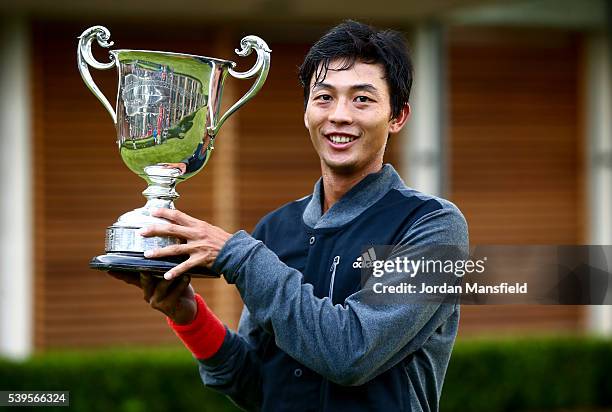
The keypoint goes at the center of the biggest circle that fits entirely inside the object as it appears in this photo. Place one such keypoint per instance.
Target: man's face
(348, 116)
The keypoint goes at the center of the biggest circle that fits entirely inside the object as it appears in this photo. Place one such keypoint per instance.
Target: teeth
(341, 139)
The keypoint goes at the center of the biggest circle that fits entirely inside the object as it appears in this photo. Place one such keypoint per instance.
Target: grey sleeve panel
(235, 370)
(351, 343)
(442, 226)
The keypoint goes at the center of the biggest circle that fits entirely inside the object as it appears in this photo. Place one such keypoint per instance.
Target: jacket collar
(361, 196)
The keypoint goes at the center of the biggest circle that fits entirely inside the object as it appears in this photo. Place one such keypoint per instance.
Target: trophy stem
(123, 236)
(161, 191)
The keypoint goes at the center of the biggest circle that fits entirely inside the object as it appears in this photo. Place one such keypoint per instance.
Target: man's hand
(174, 298)
(203, 240)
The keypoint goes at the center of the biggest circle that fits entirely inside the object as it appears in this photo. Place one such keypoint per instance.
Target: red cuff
(204, 335)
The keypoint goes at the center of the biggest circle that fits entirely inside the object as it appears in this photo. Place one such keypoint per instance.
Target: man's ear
(399, 121)
(306, 120)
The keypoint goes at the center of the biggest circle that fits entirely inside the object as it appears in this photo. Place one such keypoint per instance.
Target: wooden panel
(516, 158)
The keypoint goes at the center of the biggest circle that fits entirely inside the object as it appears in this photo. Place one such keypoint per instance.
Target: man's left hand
(203, 240)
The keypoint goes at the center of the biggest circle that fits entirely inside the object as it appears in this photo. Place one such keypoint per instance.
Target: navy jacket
(311, 338)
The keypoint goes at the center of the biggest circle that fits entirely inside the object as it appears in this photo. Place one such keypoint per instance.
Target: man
(310, 336)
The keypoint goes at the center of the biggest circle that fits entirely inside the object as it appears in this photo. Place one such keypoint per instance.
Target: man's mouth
(339, 139)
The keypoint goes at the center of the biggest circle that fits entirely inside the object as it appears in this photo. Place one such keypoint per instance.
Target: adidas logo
(365, 260)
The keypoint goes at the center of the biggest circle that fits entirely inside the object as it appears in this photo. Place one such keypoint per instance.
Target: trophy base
(136, 262)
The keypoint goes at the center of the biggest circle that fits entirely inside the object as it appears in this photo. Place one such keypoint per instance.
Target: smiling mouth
(340, 139)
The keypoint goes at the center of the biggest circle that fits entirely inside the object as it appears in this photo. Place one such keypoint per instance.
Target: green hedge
(529, 375)
(520, 375)
(150, 380)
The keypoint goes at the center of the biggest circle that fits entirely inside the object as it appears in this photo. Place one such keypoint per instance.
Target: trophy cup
(167, 117)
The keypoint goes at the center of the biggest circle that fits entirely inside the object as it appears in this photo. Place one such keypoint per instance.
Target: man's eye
(363, 99)
(324, 97)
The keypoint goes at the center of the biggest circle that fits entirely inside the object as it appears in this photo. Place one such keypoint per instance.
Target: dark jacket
(311, 337)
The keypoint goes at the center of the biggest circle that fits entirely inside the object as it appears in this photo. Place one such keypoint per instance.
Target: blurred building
(511, 121)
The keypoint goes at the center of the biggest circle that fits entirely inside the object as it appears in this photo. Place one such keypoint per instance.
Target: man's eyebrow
(362, 86)
(366, 87)
(322, 85)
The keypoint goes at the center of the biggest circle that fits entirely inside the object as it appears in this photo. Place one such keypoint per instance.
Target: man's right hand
(175, 298)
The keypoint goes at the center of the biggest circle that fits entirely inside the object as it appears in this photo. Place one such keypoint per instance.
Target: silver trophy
(167, 117)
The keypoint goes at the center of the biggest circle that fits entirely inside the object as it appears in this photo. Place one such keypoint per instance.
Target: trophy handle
(86, 59)
(262, 65)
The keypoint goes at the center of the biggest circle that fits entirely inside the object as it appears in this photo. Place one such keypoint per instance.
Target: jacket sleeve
(350, 343)
(235, 370)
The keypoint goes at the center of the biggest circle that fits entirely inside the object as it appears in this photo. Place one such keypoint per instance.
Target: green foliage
(494, 376)
(529, 375)
(117, 380)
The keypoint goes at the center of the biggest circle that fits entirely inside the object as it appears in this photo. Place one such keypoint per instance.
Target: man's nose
(341, 112)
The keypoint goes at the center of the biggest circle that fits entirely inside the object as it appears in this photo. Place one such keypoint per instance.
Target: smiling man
(310, 336)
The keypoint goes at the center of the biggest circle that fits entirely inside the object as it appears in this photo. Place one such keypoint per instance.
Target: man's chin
(342, 167)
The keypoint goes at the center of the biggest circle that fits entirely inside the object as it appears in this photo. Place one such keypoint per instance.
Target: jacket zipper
(325, 383)
(333, 276)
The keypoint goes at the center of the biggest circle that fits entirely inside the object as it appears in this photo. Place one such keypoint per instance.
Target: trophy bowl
(167, 116)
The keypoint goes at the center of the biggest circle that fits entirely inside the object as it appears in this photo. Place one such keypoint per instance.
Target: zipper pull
(333, 276)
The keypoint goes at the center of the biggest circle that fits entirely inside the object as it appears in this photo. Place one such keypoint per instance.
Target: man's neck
(336, 185)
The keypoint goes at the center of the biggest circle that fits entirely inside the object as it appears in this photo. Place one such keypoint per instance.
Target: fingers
(174, 298)
(167, 229)
(182, 225)
(179, 289)
(173, 250)
(175, 216)
(180, 269)
(167, 294)
(148, 284)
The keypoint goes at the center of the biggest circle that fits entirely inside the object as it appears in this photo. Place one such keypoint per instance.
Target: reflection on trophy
(167, 118)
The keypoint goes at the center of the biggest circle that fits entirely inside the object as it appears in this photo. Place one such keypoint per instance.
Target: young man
(310, 336)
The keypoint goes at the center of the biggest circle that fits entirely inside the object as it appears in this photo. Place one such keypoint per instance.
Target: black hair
(351, 42)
